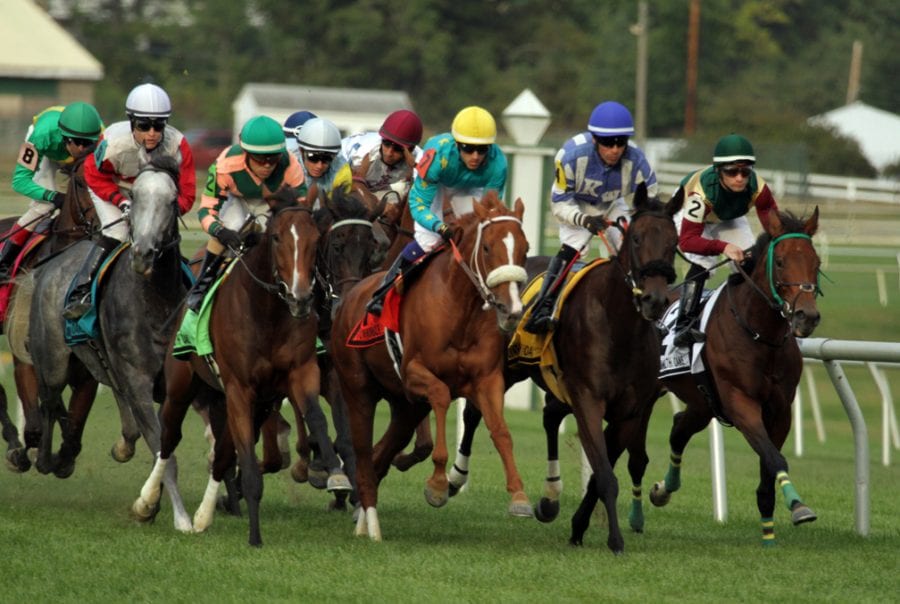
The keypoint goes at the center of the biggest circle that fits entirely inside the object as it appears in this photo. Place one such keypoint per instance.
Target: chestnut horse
(452, 346)
(74, 222)
(264, 338)
(754, 362)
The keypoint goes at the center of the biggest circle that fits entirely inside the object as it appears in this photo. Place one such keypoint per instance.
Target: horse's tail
(16, 326)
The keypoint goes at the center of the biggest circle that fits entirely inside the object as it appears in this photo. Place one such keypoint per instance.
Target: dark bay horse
(452, 346)
(142, 288)
(74, 222)
(263, 328)
(754, 361)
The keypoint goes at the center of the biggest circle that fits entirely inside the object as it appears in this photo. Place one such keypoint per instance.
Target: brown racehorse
(259, 358)
(74, 222)
(754, 361)
(452, 346)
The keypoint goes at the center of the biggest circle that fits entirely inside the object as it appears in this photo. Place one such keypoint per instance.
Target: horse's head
(292, 237)
(494, 247)
(790, 272)
(77, 215)
(648, 252)
(153, 217)
(348, 243)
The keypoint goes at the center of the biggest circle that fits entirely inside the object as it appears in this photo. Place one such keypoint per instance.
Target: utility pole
(855, 69)
(640, 84)
(690, 101)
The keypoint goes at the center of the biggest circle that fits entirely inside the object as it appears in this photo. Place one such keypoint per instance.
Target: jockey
(455, 166)
(390, 166)
(56, 138)
(319, 143)
(126, 148)
(713, 221)
(237, 185)
(596, 172)
(291, 128)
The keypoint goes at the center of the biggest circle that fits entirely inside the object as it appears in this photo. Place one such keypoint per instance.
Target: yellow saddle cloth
(530, 349)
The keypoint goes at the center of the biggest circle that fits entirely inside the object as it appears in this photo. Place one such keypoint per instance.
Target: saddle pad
(370, 329)
(6, 288)
(677, 360)
(86, 327)
(193, 333)
(526, 348)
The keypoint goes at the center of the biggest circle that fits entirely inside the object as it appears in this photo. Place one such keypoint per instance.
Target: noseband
(502, 274)
(637, 272)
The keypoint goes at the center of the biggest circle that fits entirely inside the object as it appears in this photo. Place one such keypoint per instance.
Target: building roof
(295, 97)
(34, 46)
(877, 131)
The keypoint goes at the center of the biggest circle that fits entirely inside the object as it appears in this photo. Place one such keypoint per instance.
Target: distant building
(351, 109)
(41, 65)
(877, 131)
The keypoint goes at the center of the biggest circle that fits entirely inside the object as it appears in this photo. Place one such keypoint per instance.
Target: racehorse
(74, 222)
(610, 375)
(258, 358)
(141, 289)
(452, 346)
(754, 362)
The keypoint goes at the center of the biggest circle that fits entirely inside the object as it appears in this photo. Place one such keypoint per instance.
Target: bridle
(327, 255)
(505, 273)
(637, 272)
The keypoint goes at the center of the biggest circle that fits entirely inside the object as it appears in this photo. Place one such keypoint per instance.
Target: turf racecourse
(73, 540)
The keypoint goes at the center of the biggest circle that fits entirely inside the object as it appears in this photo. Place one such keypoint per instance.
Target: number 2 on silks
(28, 156)
(695, 209)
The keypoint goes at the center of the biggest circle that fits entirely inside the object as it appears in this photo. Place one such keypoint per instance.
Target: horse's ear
(775, 227)
(313, 192)
(639, 200)
(674, 205)
(378, 210)
(363, 167)
(519, 208)
(284, 197)
(812, 225)
(480, 209)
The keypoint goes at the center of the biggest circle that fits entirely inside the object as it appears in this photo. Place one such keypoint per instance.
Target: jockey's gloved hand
(228, 238)
(125, 206)
(58, 200)
(446, 232)
(595, 224)
(251, 238)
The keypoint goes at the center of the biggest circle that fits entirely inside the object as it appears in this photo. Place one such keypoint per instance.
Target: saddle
(529, 349)
(86, 327)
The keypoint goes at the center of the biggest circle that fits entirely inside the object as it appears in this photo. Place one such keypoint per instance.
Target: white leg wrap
(203, 517)
(459, 472)
(374, 527)
(150, 492)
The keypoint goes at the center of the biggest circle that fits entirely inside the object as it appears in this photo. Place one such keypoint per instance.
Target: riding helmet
(402, 127)
(475, 126)
(148, 100)
(295, 120)
(319, 134)
(262, 135)
(80, 120)
(733, 148)
(611, 119)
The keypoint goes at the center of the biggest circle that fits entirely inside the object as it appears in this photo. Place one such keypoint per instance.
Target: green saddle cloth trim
(193, 334)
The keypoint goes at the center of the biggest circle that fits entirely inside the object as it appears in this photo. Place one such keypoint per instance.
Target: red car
(206, 144)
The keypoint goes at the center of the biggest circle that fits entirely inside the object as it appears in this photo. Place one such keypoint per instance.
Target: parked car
(206, 144)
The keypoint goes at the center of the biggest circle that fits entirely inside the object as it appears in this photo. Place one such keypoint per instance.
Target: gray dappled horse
(140, 292)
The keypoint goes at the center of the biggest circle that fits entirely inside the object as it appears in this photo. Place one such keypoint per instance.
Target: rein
(323, 276)
(636, 271)
(501, 274)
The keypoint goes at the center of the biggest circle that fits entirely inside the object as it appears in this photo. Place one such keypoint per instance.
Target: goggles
(735, 170)
(611, 141)
(267, 160)
(394, 146)
(144, 124)
(320, 158)
(468, 148)
(78, 142)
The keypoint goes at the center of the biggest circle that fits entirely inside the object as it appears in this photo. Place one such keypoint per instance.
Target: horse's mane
(341, 205)
(791, 224)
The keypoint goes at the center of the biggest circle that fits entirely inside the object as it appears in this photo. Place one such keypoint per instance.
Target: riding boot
(209, 272)
(79, 301)
(8, 254)
(541, 319)
(397, 270)
(691, 292)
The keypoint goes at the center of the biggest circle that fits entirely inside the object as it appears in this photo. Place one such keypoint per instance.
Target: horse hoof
(546, 510)
(142, 512)
(520, 507)
(336, 505)
(228, 506)
(122, 451)
(337, 482)
(318, 479)
(17, 461)
(300, 471)
(436, 498)
(285, 460)
(575, 542)
(404, 461)
(802, 514)
(64, 471)
(659, 496)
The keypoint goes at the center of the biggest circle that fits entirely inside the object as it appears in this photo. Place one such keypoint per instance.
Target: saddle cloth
(34, 240)
(86, 327)
(677, 360)
(530, 349)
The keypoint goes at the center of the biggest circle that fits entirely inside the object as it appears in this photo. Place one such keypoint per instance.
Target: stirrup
(375, 307)
(689, 336)
(76, 309)
(540, 323)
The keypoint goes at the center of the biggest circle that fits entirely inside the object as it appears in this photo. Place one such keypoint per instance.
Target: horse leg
(684, 425)
(123, 449)
(27, 390)
(555, 412)
(52, 410)
(272, 460)
(14, 447)
(84, 391)
(222, 469)
(422, 448)
(342, 442)
(489, 398)
(603, 484)
(361, 419)
(239, 404)
(304, 384)
(631, 434)
(459, 472)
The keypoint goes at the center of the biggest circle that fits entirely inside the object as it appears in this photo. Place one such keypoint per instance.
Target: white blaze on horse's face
(515, 296)
(295, 281)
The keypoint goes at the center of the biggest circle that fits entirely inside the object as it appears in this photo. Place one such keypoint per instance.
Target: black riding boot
(209, 271)
(691, 292)
(79, 301)
(398, 269)
(8, 254)
(541, 319)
